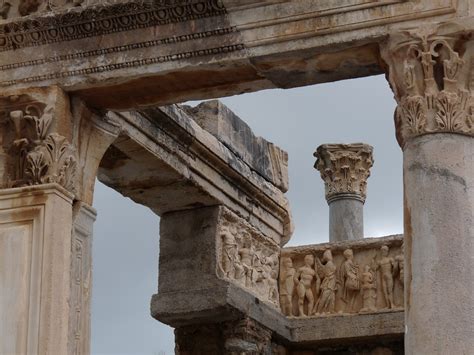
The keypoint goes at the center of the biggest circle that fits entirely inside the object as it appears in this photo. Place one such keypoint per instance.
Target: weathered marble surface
(270, 161)
(165, 153)
(159, 52)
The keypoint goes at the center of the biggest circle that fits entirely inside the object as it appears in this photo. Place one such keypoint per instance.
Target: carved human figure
(246, 257)
(229, 253)
(399, 267)
(349, 276)
(273, 287)
(304, 279)
(369, 290)
(327, 271)
(385, 265)
(287, 288)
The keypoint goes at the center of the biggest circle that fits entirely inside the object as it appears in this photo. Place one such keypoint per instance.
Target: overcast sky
(126, 235)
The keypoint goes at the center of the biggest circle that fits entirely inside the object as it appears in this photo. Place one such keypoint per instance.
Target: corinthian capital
(431, 73)
(344, 169)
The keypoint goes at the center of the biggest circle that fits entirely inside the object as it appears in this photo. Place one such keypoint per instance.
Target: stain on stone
(442, 172)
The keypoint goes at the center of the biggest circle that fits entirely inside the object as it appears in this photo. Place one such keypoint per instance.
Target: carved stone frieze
(362, 276)
(430, 72)
(104, 18)
(248, 258)
(344, 168)
(37, 154)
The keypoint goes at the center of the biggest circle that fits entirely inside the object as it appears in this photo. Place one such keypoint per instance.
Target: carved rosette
(430, 71)
(344, 169)
(37, 154)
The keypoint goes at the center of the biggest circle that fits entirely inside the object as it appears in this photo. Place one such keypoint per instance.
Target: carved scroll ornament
(344, 168)
(430, 74)
(38, 155)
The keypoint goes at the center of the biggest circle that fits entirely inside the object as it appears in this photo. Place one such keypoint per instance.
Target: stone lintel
(141, 53)
(164, 152)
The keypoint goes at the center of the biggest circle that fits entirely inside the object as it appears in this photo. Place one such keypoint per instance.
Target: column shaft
(439, 244)
(346, 219)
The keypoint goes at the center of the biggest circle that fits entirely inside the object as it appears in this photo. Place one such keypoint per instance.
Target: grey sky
(298, 120)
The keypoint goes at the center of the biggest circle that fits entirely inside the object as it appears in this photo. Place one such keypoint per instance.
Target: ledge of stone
(227, 301)
(264, 157)
(347, 328)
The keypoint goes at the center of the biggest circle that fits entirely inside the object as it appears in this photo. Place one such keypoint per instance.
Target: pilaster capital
(47, 137)
(430, 70)
(344, 169)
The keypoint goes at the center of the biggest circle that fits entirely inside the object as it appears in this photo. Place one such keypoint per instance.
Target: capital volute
(344, 169)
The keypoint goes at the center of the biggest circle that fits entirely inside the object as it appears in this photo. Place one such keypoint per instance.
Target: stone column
(431, 73)
(50, 149)
(345, 169)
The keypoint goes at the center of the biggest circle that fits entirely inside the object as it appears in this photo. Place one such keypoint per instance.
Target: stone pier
(345, 169)
(431, 73)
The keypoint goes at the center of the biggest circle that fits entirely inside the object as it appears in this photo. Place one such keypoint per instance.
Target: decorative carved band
(128, 64)
(122, 48)
(38, 155)
(344, 168)
(101, 20)
(353, 277)
(430, 74)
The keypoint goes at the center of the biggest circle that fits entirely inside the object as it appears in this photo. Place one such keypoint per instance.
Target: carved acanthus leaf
(344, 168)
(431, 78)
(52, 161)
(38, 155)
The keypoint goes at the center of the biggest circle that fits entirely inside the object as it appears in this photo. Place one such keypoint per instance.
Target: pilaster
(50, 149)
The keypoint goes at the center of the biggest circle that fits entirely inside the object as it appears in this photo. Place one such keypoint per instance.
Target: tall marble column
(431, 73)
(50, 149)
(345, 169)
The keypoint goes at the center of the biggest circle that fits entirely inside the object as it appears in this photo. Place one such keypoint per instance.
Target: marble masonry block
(363, 276)
(267, 159)
(218, 260)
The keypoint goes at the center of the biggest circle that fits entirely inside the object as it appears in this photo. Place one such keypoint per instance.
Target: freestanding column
(345, 169)
(431, 73)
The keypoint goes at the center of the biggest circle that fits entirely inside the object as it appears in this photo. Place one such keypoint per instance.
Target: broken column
(345, 169)
(431, 73)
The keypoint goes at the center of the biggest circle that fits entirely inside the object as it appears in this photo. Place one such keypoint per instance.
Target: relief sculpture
(249, 259)
(362, 276)
(327, 271)
(385, 265)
